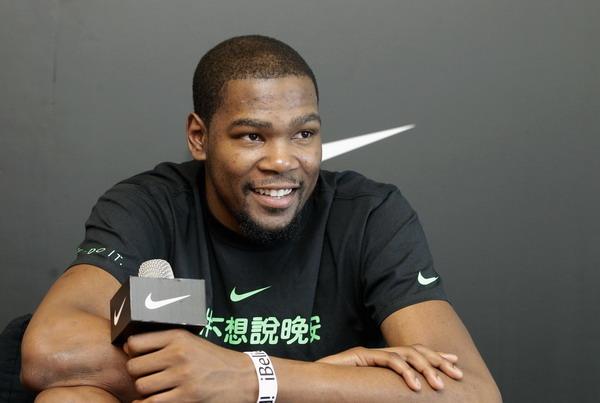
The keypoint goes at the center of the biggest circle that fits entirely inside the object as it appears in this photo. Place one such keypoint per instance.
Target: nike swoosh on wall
(339, 147)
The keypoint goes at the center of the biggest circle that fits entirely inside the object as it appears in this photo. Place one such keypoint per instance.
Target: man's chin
(266, 233)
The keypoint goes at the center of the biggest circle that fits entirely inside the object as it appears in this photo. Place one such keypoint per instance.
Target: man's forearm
(300, 381)
(180, 366)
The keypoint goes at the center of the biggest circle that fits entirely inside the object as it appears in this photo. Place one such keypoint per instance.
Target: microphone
(156, 268)
(155, 300)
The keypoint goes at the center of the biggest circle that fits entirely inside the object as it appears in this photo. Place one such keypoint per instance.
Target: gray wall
(502, 167)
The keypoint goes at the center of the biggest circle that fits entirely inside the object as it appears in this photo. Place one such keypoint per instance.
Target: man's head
(243, 57)
(258, 131)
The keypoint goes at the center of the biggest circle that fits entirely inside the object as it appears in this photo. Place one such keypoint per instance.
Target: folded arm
(67, 349)
(463, 374)
(436, 325)
(175, 365)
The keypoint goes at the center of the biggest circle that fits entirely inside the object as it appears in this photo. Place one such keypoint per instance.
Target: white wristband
(267, 381)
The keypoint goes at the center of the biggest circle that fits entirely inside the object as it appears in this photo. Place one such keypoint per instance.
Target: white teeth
(274, 192)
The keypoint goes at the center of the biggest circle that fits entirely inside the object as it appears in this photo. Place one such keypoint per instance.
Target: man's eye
(304, 134)
(252, 137)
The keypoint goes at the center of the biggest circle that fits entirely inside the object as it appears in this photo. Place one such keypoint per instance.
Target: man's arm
(436, 325)
(75, 394)
(66, 350)
(67, 342)
(433, 324)
(175, 364)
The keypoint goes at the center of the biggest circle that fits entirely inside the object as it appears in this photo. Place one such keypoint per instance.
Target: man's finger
(424, 365)
(423, 360)
(152, 341)
(439, 360)
(155, 383)
(146, 364)
(453, 358)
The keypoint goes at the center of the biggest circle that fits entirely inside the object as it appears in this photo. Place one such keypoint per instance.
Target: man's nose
(279, 157)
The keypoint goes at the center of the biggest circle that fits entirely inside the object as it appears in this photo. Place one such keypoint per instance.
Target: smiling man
(262, 155)
(318, 271)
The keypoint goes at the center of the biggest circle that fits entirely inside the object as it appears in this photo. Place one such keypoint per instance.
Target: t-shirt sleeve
(125, 228)
(397, 267)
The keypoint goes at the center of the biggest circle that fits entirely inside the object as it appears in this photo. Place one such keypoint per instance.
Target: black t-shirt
(361, 256)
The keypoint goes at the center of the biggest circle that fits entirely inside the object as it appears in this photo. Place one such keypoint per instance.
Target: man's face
(262, 152)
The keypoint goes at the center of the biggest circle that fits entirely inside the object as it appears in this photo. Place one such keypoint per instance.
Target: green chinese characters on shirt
(262, 330)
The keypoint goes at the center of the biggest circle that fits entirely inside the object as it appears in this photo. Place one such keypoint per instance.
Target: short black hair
(242, 57)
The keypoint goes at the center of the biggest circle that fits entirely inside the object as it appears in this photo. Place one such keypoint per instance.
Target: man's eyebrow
(259, 124)
(310, 117)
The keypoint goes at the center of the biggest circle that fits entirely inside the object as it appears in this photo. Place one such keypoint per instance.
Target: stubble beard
(262, 235)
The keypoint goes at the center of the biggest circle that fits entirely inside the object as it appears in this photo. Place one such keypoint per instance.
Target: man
(301, 263)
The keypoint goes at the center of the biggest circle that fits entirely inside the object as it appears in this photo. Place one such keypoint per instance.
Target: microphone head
(156, 268)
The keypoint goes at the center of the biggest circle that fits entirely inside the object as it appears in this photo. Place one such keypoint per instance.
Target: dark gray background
(502, 167)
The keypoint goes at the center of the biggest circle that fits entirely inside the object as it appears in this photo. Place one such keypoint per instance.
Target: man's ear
(197, 135)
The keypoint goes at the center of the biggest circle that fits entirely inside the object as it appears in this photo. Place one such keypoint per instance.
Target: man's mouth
(279, 193)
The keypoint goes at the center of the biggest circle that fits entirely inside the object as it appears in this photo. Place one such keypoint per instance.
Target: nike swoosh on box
(118, 315)
(150, 304)
(339, 147)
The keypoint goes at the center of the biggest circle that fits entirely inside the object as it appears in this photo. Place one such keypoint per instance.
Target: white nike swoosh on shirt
(339, 147)
(150, 304)
(118, 315)
(426, 280)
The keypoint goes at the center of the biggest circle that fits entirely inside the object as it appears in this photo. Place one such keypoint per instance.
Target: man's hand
(175, 365)
(405, 361)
